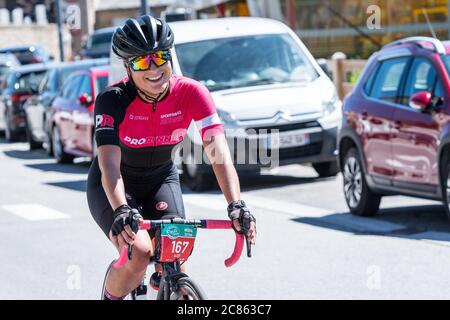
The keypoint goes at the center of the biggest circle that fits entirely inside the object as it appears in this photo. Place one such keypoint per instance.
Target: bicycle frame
(172, 270)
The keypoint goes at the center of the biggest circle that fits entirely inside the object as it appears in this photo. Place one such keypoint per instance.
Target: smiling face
(153, 81)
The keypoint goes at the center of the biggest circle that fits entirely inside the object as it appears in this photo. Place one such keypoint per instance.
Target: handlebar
(125, 253)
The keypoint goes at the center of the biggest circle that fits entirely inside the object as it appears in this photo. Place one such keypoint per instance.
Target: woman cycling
(138, 123)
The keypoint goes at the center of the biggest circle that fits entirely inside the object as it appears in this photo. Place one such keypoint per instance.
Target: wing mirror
(425, 102)
(84, 99)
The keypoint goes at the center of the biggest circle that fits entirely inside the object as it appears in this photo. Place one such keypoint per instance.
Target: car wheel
(10, 135)
(31, 141)
(326, 169)
(58, 149)
(196, 176)
(360, 199)
(48, 145)
(446, 189)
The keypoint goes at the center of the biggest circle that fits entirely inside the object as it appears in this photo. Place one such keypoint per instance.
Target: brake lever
(135, 227)
(246, 228)
(130, 252)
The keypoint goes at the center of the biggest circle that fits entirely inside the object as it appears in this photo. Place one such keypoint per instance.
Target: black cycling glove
(124, 216)
(237, 210)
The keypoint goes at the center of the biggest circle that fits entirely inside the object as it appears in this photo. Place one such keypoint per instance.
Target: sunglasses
(143, 63)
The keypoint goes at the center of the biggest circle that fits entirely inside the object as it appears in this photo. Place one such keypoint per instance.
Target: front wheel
(360, 199)
(10, 134)
(446, 189)
(187, 290)
(58, 148)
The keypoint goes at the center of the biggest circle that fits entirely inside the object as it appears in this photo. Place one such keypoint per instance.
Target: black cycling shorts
(156, 192)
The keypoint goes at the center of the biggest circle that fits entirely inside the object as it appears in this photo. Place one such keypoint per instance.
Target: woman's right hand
(125, 225)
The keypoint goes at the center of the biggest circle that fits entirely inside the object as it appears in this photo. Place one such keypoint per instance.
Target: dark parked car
(72, 120)
(98, 44)
(21, 83)
(395, 136)
(37, 107)
(29, 54)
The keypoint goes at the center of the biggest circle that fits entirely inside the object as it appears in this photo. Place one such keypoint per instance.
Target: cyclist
(138, 123)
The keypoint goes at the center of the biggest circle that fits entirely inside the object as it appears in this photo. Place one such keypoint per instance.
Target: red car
(72, 114)
(395, 133)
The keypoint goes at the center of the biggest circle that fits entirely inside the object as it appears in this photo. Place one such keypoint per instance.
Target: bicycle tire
(187, 288)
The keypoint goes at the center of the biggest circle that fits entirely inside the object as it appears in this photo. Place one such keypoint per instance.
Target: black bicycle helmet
(142, 36)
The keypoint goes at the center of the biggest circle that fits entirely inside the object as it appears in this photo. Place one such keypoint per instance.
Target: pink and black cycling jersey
(147, 132)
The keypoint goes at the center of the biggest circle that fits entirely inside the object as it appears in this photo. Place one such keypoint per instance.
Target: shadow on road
(420, 223)
(78, 185)
(27, 154)
(80, 167)
(250, 182)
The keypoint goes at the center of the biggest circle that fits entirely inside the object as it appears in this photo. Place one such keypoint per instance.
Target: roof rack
(437, 44)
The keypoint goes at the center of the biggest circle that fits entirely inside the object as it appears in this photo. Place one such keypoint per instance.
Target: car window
(422, 77)
(85, 86)
(388, 79)
(70, 88)
(439, 89)
(102, 39)
(100, 84)
(30, 80)
(10, 80)
(46, 82)
(369, 82)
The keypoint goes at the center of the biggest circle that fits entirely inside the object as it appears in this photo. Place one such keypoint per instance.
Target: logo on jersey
(161, 206)
(137, 118)
(104, 120)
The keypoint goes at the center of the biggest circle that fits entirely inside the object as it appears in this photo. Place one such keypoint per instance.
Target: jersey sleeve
(106, 119)
(204, 112)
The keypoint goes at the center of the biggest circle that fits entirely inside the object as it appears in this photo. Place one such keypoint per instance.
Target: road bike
(175, 240)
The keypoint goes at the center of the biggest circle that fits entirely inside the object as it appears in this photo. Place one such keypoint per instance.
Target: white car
(276, 103)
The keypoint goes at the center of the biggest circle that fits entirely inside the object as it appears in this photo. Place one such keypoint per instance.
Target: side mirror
(324, 66)
(421, 101)
(84, 99)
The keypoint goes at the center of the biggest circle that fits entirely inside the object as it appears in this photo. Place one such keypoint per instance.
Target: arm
(216, 147)
(219, 155)
(109, 161)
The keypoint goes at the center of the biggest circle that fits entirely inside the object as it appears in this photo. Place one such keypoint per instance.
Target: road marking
(35, 212)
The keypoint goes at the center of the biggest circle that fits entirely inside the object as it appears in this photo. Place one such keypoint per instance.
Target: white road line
(35, 212)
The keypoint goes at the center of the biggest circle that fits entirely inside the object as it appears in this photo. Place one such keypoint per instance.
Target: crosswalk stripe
(35, 212)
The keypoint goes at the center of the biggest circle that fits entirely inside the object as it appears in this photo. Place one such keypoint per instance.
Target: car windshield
(245, 61)
(29, 80)
(100, 40)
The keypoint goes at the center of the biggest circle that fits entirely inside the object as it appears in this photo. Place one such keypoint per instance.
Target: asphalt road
(308, 246)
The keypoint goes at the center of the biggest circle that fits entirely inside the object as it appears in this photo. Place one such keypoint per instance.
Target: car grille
(302, 151)
(284, 127)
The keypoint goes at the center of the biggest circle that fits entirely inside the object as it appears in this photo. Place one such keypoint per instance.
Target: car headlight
(226, 117)
(329, 106)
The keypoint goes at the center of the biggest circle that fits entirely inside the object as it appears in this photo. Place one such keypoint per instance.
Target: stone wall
(46, 36)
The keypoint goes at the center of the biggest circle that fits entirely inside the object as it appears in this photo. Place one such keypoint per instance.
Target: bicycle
(175, 245)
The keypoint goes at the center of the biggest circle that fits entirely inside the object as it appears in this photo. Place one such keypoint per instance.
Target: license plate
(177, 242)
(277, 141)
